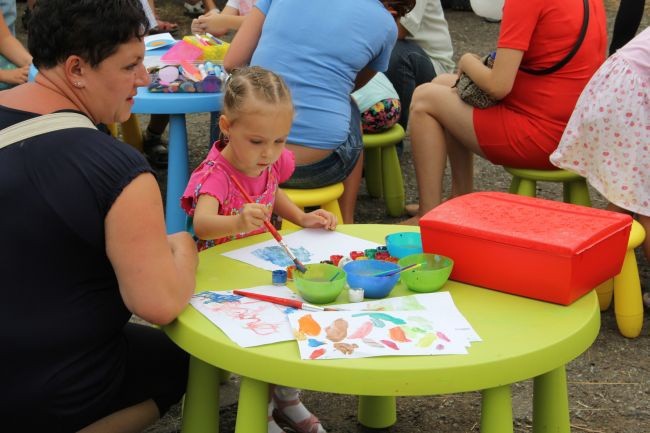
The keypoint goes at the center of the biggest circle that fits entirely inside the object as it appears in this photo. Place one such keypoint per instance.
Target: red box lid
(534, 223)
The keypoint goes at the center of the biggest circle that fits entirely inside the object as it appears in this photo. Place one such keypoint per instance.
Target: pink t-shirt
(212, 177)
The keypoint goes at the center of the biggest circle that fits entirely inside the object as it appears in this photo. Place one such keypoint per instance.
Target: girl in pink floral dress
(255, 122)
(607, 139)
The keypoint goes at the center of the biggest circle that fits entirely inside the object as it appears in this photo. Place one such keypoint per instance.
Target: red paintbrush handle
(272, 299)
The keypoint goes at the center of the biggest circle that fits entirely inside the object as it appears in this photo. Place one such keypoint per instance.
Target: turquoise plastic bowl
(360, 275)
(315, 286)
(429, 277)
(403, 244)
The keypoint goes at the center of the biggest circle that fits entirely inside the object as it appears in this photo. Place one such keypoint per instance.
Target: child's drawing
(278, 256)
(309, 246)
(439, 306)
(248, 322)
(351, 334)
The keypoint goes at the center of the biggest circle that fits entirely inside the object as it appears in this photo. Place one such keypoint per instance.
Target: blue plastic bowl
(360, 275)
(404, 244)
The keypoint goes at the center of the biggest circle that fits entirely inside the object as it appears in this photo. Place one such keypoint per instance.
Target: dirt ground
(609, 385)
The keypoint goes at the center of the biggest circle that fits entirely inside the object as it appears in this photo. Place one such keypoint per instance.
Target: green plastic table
(522, 339)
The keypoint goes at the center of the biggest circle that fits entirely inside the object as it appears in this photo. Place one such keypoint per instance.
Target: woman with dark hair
(83, 235)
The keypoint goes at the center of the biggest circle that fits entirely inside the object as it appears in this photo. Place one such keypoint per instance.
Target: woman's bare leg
(441, 124)
(348, 201)
(132, 419)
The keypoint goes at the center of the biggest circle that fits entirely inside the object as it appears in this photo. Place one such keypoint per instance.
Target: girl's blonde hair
(255, 81)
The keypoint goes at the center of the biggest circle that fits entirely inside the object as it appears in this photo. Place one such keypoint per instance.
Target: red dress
(525, 128)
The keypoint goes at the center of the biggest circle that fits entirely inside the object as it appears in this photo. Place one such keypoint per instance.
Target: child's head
(256, 118)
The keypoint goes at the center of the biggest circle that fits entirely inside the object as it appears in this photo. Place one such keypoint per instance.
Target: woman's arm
(245, 40)
(155, 272)
(498, 81)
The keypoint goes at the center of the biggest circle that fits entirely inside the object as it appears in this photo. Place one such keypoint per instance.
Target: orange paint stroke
(308, 326)
(397, 334)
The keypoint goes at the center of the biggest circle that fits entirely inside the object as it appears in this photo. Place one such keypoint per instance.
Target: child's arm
(316, 219)
(11, 48)
(218, 23)
(208, 224)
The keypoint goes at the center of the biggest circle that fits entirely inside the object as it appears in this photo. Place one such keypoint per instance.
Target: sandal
(310, 424)
(194, 10)
(163, 27)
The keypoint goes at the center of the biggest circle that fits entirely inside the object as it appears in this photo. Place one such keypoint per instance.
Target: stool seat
(382, 169)
(130, 131)
(524, 182)
(626, 289)
(325, 197)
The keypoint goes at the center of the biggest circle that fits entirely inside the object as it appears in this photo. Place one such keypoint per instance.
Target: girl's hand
(211, 23)
(252, 217)
(319, 218)
(15, 76)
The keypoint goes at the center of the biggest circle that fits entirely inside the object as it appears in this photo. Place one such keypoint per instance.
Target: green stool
(382, 170)
(524, 182)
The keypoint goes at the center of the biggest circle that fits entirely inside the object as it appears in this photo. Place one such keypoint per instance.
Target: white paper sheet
(362, 334)
(308, 245)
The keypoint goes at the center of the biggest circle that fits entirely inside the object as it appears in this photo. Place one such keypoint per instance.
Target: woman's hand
(320, 218)
(252, 217)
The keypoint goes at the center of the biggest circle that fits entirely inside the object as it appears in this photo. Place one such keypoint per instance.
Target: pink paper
(182, 51)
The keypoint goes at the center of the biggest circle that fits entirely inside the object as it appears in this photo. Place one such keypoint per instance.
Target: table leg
(377, 412)
(201, 405)
(253, 404)
(551, 403)
(178, 173)
(496, 410)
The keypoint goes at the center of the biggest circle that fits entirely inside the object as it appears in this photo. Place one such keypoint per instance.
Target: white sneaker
(195, 9)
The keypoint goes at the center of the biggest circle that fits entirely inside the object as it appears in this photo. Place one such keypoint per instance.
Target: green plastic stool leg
(201, 406)
(551, 403)
(514, 185)
(393, 182)
(252, 410)
(373, 174)
(496, 410)
(377, 412)
(224, 376)
(578, 192)
(527, 187)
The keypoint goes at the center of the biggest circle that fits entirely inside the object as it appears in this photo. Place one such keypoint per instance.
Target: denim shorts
(338, 165)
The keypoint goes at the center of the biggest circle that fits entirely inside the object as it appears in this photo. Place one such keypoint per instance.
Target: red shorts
(516, 140)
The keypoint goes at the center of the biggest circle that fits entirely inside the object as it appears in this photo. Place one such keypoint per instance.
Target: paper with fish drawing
(248, 322)
(308, 245)
(362, 334)
(439, 305)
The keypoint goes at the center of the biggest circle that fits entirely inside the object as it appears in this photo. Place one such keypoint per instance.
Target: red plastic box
(526, 246)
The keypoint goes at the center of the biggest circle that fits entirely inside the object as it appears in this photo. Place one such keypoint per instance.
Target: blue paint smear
(278, 257)
(219, 298)
(314, 343)
(380, 317)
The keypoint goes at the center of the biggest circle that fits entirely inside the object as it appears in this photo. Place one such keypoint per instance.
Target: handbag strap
(42, 125)
(574, 50)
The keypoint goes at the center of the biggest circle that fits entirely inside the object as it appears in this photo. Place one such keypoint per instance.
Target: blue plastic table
(522, 339)
(177, 105)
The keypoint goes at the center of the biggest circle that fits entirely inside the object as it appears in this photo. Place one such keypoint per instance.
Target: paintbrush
(293, 303)
(397, 271)
(270, 228)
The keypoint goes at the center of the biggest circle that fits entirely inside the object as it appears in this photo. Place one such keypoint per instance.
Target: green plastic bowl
(315, 286)
(429, 277)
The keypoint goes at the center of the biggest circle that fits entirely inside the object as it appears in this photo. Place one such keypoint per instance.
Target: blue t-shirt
(318, 47)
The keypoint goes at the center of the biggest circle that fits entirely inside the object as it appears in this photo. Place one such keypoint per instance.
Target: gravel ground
(609, 385)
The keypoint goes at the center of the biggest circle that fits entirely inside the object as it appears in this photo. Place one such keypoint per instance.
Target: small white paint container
(355, 294)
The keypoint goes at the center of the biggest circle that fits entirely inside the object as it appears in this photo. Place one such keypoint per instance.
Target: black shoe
(156, 151)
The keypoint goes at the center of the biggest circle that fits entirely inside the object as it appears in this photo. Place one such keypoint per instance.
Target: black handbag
(477, 97)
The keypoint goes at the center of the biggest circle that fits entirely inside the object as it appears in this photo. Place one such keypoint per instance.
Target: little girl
(255, 122)
(606, 140)
(219, 23)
